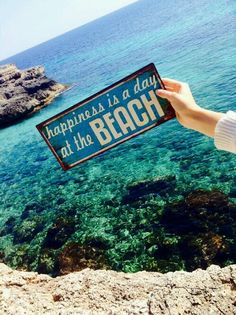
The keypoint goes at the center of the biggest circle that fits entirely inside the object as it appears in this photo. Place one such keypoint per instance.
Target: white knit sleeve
(225, 133)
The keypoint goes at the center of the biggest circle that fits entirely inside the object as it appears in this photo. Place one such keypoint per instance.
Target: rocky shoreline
(103, 292)
(24, 92)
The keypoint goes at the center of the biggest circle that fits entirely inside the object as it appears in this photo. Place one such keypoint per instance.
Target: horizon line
(71, 30)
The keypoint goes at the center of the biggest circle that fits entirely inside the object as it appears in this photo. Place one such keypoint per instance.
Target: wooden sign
(108, 118)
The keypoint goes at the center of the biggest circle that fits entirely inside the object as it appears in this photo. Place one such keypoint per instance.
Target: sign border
(66, 167)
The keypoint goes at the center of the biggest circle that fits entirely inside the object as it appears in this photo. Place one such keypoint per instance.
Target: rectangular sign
(108, 118)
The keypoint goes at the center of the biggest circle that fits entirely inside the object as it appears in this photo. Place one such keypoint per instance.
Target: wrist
(205, 121)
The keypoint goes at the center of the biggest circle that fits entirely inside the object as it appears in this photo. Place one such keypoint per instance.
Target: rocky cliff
(101, 292)
(23, 92)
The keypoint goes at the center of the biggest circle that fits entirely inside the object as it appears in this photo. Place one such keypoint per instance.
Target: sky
(27, 23)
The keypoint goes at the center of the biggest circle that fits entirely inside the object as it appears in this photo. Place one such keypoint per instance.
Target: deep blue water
(192, 41)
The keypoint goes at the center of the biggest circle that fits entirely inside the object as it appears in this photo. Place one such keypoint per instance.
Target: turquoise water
(115, 211)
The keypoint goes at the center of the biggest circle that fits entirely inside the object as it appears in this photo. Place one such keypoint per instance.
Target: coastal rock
(101, 292)
(23, 92)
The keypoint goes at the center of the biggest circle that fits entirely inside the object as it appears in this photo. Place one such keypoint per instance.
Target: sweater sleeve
(225, 133)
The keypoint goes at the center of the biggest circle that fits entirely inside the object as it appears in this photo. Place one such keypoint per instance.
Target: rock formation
(100, 292)
(23, 92)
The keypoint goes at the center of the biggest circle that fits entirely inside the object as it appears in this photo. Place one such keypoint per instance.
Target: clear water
(83, 211)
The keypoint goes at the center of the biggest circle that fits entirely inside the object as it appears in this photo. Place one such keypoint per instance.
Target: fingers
(172, 82)
(166, 94)
(175, 85)
(170, 88)
(171, 85)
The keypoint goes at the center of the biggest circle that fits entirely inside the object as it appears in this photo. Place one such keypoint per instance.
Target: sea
(163, 201)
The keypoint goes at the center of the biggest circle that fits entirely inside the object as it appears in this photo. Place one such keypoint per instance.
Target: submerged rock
(211, 291)
(59, 233)
(205, 223)
(76, 257)
(8, 227)
(30, 210)
(27, 229)
(23, 92)
(153, 234)
(156, 186)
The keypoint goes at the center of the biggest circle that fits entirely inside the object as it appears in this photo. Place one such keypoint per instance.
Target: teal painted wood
(108, 118)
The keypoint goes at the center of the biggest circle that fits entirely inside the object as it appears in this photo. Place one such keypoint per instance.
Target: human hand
(188, 113)
(180, 96)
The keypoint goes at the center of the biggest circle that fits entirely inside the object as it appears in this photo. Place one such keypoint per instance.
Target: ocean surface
(163, 201)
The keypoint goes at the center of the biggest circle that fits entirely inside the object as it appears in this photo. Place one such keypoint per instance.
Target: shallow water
(89, 209)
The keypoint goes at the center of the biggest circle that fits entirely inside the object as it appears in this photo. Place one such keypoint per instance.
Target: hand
(188, 113)
(181, 99)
